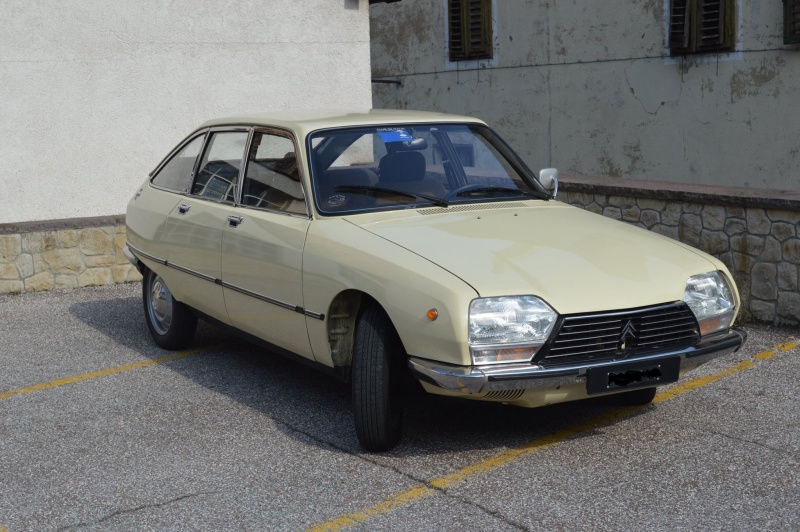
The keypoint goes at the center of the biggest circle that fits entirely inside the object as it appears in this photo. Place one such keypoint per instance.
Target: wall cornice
(664, 190)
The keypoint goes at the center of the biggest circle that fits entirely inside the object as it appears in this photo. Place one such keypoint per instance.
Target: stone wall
(63, 254)
(756, 233)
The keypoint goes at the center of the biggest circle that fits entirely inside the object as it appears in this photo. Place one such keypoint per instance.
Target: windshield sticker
(394, 135)
(336, 201)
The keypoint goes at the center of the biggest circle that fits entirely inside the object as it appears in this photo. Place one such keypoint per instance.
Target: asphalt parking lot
(102, 430)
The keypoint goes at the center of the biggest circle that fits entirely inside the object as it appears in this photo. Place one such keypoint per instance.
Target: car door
(262, 246)
(196, 224)
(148, 210)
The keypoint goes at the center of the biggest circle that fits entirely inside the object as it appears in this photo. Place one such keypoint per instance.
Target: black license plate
(631, 375)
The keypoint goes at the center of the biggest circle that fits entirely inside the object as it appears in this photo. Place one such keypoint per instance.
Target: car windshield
(411, 166)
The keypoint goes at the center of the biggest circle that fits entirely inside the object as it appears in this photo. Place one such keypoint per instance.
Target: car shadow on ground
(313, 407)
(122, 320)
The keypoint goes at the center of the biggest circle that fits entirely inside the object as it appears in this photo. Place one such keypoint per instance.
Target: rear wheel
(376, 379)
(642, 396)
(172, 324)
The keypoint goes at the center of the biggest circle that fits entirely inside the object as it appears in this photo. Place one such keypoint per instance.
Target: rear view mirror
(416, 144)
(548, 177)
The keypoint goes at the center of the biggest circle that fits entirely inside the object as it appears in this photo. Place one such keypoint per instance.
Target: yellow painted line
(103, 372)
(395, 502)
(418, 493)
(786, 347)
(727, 372)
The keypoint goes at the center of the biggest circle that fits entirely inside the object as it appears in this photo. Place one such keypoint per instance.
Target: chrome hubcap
(160, 305)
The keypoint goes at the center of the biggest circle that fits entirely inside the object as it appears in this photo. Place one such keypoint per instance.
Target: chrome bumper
(474, 379)
(131, 257)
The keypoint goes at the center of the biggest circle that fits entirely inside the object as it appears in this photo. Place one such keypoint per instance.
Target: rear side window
(218, 175)
(175, 175)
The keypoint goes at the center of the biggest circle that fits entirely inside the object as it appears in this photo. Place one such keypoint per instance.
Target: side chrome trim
(220, 282)
(276, 302)
(478, 379)
(141, 253)
(194, 273)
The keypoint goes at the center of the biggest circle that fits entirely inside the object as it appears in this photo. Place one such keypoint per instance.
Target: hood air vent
(471, 207)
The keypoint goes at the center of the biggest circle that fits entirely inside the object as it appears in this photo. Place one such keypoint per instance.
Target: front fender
(340, 256)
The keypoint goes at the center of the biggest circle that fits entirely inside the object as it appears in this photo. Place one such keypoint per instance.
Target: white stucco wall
(589, 87)
(93, 93)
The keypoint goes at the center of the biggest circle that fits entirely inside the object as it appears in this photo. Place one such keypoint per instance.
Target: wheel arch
(343, 314)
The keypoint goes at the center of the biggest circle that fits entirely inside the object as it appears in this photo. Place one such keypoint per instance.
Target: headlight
(711, 299)
(508, 329)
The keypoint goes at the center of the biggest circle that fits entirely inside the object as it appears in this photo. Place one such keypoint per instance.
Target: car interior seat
(406, 171)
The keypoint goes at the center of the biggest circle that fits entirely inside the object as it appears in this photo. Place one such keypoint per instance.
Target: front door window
(273, 180)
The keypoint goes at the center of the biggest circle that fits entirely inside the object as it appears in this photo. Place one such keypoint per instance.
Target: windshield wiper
(366, 189)
(480, 190)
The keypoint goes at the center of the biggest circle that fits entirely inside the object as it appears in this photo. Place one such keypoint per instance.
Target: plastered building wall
(590, 88)
(94, 93)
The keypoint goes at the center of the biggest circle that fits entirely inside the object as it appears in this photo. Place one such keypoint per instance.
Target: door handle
(235, 221)
(183, 208)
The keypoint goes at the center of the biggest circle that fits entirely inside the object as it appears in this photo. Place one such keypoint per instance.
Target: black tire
(376, 379)
(642, 396)
(172, 324)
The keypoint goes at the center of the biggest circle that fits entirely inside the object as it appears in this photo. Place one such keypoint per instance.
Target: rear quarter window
(177, 172)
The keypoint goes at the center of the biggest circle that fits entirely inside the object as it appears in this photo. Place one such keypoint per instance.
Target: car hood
(575, 260)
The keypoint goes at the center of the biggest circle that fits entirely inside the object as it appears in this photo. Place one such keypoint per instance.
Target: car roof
(306, 121)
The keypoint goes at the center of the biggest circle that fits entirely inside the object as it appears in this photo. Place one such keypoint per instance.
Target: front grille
(625, 334)
(504, 395)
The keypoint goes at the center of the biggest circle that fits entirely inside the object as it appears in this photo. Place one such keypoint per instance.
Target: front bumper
(475, 379)
(126, 250)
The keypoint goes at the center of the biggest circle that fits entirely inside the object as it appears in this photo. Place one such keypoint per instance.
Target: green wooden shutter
(714, 25)
(457, 48)
(701, 26)
(480, 29)
(791, 21)
(470, 29)
(680, 16)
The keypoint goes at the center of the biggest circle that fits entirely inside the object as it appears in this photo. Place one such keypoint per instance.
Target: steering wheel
(466, 188)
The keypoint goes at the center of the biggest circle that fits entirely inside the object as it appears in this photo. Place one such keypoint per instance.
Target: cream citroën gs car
(399, 248)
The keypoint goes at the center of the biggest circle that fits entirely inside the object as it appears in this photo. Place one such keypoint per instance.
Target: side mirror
(548, 177)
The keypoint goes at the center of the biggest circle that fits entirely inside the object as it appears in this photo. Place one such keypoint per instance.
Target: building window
(697, 26)
(470, 29)
(791, 21)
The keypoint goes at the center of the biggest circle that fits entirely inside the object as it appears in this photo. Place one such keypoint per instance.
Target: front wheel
(377, 368)
(172, 324)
